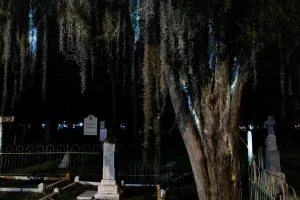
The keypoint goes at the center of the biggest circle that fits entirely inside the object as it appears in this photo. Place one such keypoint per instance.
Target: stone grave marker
(272, 154)
(108, 188)
(90, 125)
(65, 161)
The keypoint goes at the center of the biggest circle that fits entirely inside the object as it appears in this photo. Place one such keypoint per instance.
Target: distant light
(59, 126)
(250, 147)
(80, 124)
(122, 126)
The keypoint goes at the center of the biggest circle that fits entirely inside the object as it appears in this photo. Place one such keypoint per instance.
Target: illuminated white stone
(250, 147)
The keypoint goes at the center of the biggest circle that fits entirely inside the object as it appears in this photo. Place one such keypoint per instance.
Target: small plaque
(102, 124)
(90, 125)
(103, 134)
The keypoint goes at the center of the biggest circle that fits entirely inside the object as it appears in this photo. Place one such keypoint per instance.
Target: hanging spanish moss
(23, 55)
(74, 35)
(148, 92)
(147, 13)
(154, 101)
(254, 50)
(6, 61)
(112, 29)
(15, 73)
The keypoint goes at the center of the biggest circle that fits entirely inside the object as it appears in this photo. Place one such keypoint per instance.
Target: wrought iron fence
(146, 173)
(266, 185)
(51, 160)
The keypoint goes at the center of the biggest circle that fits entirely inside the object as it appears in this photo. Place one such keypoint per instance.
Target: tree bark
(212, 149)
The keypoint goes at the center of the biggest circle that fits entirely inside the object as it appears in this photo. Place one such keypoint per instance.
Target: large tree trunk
(212, 149)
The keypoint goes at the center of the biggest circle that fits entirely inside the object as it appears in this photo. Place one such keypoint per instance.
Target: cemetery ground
(178, 189)
(181, 185)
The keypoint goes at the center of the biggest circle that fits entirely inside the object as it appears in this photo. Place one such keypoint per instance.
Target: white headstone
(76, 179)
(102, 124)
(90, 125)
(108, 161)
(41, 187)
(65, 161)
(56, 190)
(103, 134)
(108, 188)
(272, 154)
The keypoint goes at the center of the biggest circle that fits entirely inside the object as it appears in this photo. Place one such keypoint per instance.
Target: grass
(20, 196)
(290, 163)
(73, 192)
(19, 183)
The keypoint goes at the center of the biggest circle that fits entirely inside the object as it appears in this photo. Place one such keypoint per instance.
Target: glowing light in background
(250, 147)
(32, 32)
(135, 18)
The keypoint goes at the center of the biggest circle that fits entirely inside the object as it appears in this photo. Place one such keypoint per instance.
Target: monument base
(107, 196)
(273, 160)
(108, 182)
(108, 190)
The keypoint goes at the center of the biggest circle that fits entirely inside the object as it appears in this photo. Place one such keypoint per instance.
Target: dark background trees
(190, 62)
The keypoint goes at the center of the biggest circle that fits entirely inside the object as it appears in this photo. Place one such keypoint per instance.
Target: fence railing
(51, 160)
(87, 160)
(145, 173)
(266, 185)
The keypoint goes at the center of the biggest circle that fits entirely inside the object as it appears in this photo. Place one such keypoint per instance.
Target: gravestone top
(271, 123)
(102, 124)
(108, 161)
(41, 187)
(90, 125)
(76, 179)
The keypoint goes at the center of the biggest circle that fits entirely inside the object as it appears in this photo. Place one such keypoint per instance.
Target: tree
(207, 52)
(197, 53)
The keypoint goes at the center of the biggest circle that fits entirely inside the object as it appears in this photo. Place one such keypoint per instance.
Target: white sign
(7, 119)
(103, 134)
(90, 125)
(102, 124)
